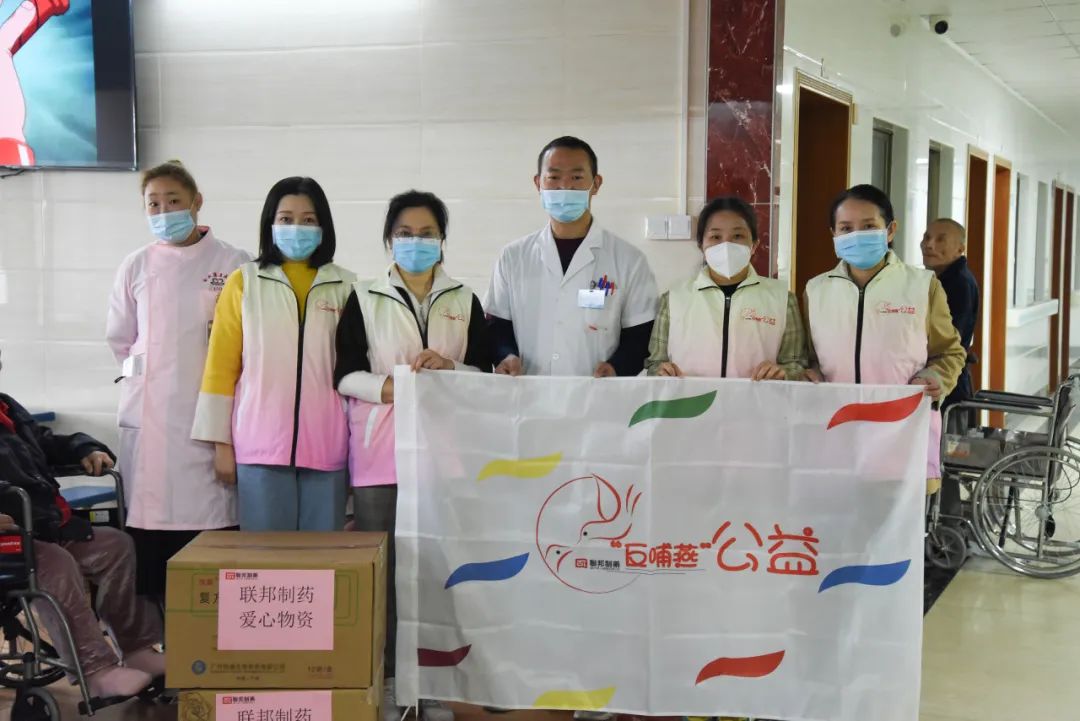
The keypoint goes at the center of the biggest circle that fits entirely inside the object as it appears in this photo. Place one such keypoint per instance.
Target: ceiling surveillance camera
(940, 24)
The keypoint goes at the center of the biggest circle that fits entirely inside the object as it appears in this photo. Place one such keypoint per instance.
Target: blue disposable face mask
(174, 227)
(417, 255)
(862, 249)
(297, 242)
(565, 206)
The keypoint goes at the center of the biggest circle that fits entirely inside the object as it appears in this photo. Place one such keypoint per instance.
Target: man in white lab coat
(570, 298)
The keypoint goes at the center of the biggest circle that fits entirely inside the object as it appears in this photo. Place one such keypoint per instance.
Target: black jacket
(962, 291)
(27, 458)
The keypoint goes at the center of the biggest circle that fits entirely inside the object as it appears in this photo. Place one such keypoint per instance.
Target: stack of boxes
(277, 626)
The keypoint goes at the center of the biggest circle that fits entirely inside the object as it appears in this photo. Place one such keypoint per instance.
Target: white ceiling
(1033, 46)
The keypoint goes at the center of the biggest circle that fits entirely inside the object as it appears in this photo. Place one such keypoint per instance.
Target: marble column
(745, 52)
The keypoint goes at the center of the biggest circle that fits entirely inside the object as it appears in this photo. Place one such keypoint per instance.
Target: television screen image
(67, 88)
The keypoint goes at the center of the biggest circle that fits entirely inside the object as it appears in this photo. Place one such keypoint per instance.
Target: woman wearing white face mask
(875, 319)
(728, 322)
(158, 328)
(412, 314)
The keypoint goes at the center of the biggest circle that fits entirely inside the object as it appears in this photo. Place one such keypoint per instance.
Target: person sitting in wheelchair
(69, 552)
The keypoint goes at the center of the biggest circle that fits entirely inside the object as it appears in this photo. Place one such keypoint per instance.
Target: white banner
(661, 547)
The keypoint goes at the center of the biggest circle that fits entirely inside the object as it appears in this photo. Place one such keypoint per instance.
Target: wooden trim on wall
(1057, 213)
(819, 86)
(977, 255)
(1068, 237)
(999, 277)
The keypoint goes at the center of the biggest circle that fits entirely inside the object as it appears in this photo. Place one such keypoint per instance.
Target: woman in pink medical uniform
(160, 313)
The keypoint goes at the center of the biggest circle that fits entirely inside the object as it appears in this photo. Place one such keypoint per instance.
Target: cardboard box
(358, 561)
(346, 705)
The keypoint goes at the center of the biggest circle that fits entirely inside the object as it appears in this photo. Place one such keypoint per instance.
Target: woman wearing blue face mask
(268, 400)
(159, 316)
(875, 319)
(413, 314)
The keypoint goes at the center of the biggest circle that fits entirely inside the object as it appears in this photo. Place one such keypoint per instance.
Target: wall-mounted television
(67, 84)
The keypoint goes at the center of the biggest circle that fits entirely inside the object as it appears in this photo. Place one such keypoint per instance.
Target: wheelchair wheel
(14, 676)
(1025, 514)
(946, 547)
(35, 704)
(13, 668)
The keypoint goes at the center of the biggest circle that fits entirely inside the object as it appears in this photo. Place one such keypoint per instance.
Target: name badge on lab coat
(591, 298)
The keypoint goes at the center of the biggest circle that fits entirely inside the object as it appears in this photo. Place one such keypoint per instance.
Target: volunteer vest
(393, 332)
(394, 338)
(712, 334)
(286, 410)
(875, 335)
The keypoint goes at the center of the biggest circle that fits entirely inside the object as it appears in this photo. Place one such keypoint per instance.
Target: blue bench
(86, 497)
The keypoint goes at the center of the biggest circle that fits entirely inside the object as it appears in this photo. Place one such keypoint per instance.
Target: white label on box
(275, 610)
(275, 706)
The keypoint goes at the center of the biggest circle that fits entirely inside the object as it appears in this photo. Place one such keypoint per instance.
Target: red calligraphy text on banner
(660, 556)
(686, 555)
(802, 562)
(737, 550)
(636, 555)
(750, 563)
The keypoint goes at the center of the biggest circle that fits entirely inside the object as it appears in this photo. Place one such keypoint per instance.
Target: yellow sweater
(224, 359)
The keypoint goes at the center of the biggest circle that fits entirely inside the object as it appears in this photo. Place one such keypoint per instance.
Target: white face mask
(727, 259)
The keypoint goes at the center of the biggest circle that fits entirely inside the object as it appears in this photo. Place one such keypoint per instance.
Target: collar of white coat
(582, 259)
(704, 280)
(842, 270)
(329, 273)
(391, 279)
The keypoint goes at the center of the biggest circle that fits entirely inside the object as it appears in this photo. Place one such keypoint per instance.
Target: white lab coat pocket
(129, 414)
(602, 325)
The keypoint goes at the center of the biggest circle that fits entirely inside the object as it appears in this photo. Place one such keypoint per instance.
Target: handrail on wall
(1016, 317)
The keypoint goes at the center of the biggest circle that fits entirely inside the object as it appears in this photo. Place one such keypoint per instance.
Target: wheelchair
(28, 662)
(1020, 486)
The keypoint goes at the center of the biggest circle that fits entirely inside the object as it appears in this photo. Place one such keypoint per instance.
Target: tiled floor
(997, 647)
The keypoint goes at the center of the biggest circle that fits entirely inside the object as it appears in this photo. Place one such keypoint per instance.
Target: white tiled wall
(917, 82)
(371, 97)
(455, 96)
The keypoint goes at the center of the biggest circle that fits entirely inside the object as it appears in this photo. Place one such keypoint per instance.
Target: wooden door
(823, 117)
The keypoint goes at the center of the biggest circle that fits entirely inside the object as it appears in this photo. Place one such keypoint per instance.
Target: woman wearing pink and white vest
(875, 319)
(413, 314)
(268, 401)
(727, 321)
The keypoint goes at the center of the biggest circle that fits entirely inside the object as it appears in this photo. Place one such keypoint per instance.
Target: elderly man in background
(943, 246)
